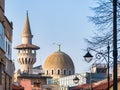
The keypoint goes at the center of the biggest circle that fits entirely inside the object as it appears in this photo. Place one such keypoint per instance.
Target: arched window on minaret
(70, 72)
(32, 51)
(26, 50)
(32, 61)
(25, 60)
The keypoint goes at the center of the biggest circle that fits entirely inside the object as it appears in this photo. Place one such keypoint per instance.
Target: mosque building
(57, 64)
(58, 70)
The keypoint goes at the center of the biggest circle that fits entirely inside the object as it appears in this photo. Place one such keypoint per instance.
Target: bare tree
(103, 20)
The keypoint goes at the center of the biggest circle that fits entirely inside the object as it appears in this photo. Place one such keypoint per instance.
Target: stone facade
(6, 64)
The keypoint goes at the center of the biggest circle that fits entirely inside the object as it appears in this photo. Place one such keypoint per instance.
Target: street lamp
(76, 80)
(88, 57)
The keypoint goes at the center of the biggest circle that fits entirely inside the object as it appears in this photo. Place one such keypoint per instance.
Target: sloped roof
(27, 29)
(15, 87)
(27, 46)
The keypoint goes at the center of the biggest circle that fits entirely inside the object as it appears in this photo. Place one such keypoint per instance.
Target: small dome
(58, 64)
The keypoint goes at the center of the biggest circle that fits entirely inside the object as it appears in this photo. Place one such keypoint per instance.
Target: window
(8, 49)
(25, 60)
(69, 72)
(6, 46)
(2, 37)
(47, 72)
(32, 61)
(58, 72)
(52, 72)
(65, 72)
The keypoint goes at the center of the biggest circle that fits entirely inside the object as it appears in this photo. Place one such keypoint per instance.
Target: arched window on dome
(65, 72)
(58, 72)
(52, 72)
(70, 72)
(47, 72)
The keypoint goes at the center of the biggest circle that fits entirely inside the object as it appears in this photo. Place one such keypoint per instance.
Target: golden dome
(58, 63)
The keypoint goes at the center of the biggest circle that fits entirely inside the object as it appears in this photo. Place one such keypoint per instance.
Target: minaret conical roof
(27, 29)
(28, 37)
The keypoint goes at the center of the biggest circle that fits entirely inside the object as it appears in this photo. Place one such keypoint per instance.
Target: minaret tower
(26, 50)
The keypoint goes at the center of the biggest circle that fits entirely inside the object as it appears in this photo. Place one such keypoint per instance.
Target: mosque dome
(58, 64)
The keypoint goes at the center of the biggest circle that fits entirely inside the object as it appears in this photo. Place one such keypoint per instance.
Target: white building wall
(68, 81)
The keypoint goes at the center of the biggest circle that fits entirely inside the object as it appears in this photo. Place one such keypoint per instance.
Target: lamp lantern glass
(88, 57)
(76, 80)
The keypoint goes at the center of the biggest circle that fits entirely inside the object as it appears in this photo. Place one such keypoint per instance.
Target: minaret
(26, 50)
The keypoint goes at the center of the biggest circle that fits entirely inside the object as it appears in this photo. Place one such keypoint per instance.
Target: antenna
(27, 12)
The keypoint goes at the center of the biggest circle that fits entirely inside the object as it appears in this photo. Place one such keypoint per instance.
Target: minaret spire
(27, 35)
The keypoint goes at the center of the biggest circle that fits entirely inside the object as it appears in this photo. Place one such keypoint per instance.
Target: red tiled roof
(83, 86)
(15, 87)
(101, 85)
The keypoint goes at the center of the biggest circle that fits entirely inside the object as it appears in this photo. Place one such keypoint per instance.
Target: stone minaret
(26, 50)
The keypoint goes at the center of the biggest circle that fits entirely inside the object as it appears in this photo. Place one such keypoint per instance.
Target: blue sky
(53, 21)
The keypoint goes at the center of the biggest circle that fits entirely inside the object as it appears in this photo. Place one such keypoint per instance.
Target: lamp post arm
(103, 54)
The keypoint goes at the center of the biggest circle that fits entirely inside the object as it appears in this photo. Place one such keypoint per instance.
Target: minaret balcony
(27, 54)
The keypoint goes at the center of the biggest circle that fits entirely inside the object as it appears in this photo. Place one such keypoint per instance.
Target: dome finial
(59, 45)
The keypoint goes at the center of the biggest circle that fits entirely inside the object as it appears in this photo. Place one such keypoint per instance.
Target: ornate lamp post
(88, 57)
